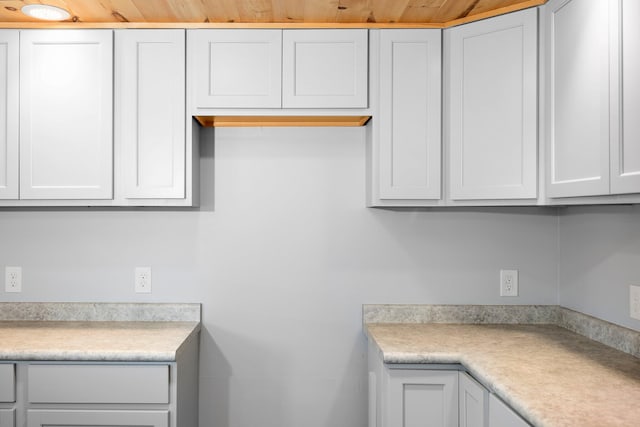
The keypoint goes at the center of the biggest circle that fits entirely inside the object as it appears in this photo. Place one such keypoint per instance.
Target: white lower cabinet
(432, 395)
(418, 398)
(500, 415)
(473, 402)
(97, 418)
(7, 417)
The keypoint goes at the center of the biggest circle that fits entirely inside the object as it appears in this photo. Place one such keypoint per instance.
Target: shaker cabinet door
(66, 114)
(9, 104)
(406, 151)
(236, 68)
(625, 152)
(421, 398)
(578, 98)
(150, 113)
(7, 417)
(493, 107)
(325, 68)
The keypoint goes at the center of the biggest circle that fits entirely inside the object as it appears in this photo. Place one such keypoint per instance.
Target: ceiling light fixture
(45, 11)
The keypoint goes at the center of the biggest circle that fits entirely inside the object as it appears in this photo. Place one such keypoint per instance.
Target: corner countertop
(550, 375)
(96, 331)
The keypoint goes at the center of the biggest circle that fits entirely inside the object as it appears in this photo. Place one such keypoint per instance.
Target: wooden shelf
(282, 121)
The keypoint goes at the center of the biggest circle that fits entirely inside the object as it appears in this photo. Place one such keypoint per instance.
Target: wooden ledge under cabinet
(282, 121)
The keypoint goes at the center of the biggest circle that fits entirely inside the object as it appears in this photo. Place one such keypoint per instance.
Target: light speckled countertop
(551, 376)
(94, 341)
(133, 332)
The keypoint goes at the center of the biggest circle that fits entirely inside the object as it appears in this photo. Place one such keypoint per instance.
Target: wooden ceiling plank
(320, 10)
(388, 11)
(354, 11)
(495, 12)
(220, 10)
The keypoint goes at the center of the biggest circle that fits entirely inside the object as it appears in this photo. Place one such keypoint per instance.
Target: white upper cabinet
(150, 113)
(265, 69)
(9, 84)
(491, 98)
(405, 151)
(580, 36)
(66, 114)
(236, 68)
(625, 152)
(324, 68)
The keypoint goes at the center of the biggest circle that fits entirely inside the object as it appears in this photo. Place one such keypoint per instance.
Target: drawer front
(7, 382)
(98, 384)
(7, 417)
(68, 418)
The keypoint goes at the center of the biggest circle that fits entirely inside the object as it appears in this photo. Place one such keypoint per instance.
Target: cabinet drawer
(70, 418)
(7, 383)
(98, 384)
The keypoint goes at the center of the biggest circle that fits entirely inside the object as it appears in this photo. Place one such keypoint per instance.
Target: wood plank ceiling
(322, 13)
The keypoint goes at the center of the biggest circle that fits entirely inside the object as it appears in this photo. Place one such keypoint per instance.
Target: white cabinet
(473, 401)
(581, 79)
(405, 151)
(66, 114)
(420, 397)
(150, 139)
(9, 104)
(97, 418)
(236, 68)
(625, 152)
(500, 415)
(324, 68)
(273, 69)
(491, 120)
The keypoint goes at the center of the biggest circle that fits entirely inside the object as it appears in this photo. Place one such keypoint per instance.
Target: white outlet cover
(143, 280)
(13, 279)
(508, 283)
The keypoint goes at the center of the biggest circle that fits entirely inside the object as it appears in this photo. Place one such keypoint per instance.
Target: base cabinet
(473, 402)
(500, 415)
(420, 398)
(36, 418)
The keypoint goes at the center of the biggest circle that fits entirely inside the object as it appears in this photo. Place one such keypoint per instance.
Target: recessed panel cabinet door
(150, 112)
(325, 68)
(9, 68)
(625, 153)
(492, 107)
(66, 114)
(500, 415)
(418, 398)
(407, 146)
(236, 68)
(578, 80)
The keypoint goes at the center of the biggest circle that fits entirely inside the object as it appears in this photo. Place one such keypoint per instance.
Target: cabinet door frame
(355, 97)
(458, 141)
(138, 133)
(598, 184)
(628, 131)
(97, 418)
(469, 389)
(101, 159)
(417, 133)
(199, 50)
(9, 142)
(398, 379)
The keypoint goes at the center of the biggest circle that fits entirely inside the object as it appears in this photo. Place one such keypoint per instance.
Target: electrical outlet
(508, 283)
(634, 301)
(13, 279)
(143, 280)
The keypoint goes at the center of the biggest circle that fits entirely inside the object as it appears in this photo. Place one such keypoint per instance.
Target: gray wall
(599, 259)
(282, 267)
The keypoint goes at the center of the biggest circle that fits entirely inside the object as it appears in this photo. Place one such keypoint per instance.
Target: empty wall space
(599, 259)
(282, 254)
